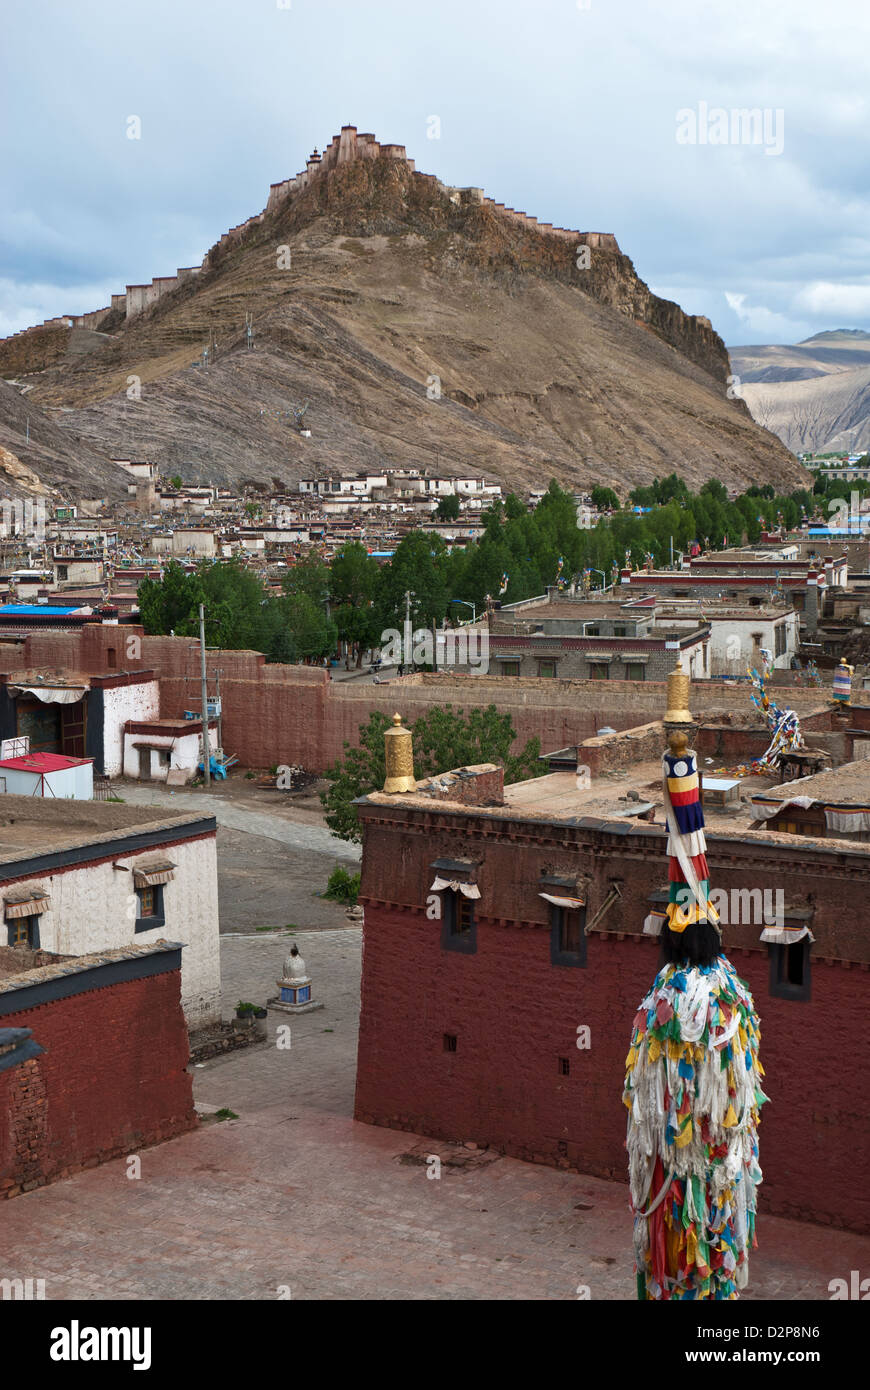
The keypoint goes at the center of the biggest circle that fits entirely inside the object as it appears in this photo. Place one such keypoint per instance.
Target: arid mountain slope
(50, 461)
(544, 369)
(814, 395)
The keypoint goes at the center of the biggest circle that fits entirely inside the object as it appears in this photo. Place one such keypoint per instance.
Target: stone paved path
(294, 1194)
(314, 838)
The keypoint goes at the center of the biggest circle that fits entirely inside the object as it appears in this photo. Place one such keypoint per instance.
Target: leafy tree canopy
(444, 738)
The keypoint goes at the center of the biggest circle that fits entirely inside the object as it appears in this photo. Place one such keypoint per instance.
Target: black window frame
(453, 902)
(630, 666)
(596, 668)
(158, 919)
(781, 987)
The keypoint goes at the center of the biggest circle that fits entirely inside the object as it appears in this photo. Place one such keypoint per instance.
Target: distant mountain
(423, 326)
(815, 395)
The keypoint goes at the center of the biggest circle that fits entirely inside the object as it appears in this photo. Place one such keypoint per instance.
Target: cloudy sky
(603, 115)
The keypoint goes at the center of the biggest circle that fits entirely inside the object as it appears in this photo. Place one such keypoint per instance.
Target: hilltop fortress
(344, 148)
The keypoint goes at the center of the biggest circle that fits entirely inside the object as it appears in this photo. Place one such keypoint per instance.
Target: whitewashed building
(92, 876)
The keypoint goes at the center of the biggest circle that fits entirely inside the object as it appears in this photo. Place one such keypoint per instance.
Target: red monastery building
(505, 952)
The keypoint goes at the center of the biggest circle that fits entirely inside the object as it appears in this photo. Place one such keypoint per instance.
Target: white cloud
(845, 303)
(760, 320)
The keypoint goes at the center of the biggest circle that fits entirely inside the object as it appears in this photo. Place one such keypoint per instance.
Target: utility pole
(206, 766)
(408, 636)
(217, 695)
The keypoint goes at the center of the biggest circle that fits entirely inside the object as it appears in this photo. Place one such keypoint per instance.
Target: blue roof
(26, 609)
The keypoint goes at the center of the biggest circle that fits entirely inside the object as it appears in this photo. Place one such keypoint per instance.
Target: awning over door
(51, 694)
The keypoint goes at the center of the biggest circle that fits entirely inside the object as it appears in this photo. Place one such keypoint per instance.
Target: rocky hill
(424, 326)
(814, 395)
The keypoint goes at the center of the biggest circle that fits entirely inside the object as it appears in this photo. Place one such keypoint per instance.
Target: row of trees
(354, 599)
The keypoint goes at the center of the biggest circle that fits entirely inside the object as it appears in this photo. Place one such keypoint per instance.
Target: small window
(790, 970)
(449, 1042)
(23, 931)
(547, 668)
(510, 668)
(599, 671)
(567, 935)
(564, 1066)
(111, 658)
(635, 671)
(151, 912)
(459, 929)
(620, 631)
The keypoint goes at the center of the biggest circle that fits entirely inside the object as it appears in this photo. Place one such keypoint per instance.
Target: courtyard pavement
(295, 1199)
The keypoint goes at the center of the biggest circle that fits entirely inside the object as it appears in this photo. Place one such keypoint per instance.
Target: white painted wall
(93, 908)
(74, 783)
(733, 647)
(120, 703)
(183, 753)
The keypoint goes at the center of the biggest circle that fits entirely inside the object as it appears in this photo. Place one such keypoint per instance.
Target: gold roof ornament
(678, 711)
(399, 751)
(678, 720)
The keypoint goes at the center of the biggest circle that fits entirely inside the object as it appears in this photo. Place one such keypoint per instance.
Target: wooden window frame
(29, 926)
(559, 955)
(158, 917)
(454, 908)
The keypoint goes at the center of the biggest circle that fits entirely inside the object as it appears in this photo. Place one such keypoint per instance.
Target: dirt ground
(275, 854)
(262, 884)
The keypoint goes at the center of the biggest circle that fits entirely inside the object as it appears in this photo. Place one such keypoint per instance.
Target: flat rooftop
(618, 796)
(33, 825)
(848, 785)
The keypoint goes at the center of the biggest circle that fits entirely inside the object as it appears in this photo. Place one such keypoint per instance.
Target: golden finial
(678, 717)
(399, 752)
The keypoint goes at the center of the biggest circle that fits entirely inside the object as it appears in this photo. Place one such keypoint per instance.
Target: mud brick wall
(297, 715)
(112, 1079)
(515, 1015)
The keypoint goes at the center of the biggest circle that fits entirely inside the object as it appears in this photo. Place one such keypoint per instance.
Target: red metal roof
(43, 762)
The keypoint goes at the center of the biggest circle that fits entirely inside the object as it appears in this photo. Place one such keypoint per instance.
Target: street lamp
(604, 585)
(467, 605)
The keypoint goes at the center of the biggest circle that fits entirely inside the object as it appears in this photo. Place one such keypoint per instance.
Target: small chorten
(294, 987)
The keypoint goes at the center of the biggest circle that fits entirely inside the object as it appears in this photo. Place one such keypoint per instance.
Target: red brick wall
(112, 1079)
(514, 1016)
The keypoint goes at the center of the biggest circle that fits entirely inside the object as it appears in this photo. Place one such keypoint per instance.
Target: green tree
(448, 508)
(604, 499)
(310, 576)
(354, 581)
(444, 738)
(171, 604)
(419, 565)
